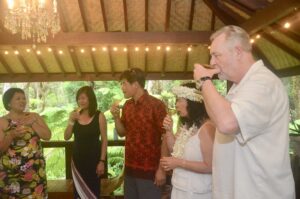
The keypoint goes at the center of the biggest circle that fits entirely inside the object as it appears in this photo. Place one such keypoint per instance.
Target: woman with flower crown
(191, 147)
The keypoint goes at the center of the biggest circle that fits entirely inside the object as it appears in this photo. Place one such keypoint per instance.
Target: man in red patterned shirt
(141, 123)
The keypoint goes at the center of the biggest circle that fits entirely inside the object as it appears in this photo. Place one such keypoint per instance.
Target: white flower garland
(181, 139)
(188, 93)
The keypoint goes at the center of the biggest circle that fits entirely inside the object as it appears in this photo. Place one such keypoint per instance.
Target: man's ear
(238, 51)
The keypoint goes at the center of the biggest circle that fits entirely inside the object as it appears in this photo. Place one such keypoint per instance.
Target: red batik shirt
(143, 124)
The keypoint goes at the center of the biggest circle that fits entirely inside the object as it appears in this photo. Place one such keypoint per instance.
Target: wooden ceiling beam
(56, 56)
(277, 10)
(240, 6)
(192, 12)
(260, 54)
(6, 66)
(103, 10)
(286, 32)
(72, 51)
(288, 72)
(224, 17)
(146, 15)
(281, 45)
(94, 62)
(111, 61)
(41, 77)
(22, 61)
(83, 15)
(186, 62)
(94, 38)
(239, 19)
(168, 15)
(42, 63)
(125, 15)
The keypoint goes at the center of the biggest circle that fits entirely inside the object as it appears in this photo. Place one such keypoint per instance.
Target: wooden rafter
(282, 45)
(287, 72)
(186, 62)
(104, 15)
(63, 24)
(42, 63)
(224, 17)
(111, 61)
(6, 66)
(212, 22)
(22, 61)
(94, 62)
(239, 19)
(286, 32)
(128, 57)
(262, 56)
(83, 15)
(163, 70)
(75, 60)
(93, 38)
(168, 14)
(277, 10)
(57, 59)
(192, 15)
(146, 14)
(146, 62)
(41, 77)
(125, 15)
(240, 6)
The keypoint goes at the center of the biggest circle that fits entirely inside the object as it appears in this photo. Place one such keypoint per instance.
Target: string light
(38, 52)
(147, 49)
(125, 49)
(168, 48)
(115, 48)
(104, 49)
(82, 50)
(158, 48)
(258, 36)
(136, 49)
(93, 49)
(287, 25)
(251, 41)
(28, 50)
(189, 49)
(6, 52)
(16, 52)
(60, 52)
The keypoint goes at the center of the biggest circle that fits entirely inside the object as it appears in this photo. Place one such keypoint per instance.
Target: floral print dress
(22, 168)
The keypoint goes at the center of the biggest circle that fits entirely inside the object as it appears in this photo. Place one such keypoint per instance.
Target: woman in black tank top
(88, 125)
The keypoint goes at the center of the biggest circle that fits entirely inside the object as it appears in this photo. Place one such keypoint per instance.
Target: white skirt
(180, 194)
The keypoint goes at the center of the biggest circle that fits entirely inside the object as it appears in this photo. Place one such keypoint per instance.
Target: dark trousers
(138, 188)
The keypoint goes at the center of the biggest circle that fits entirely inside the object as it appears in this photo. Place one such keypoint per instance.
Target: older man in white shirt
(251, 149)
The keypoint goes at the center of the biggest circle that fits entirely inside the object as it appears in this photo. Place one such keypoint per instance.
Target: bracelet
(200, 82)
(102, 161)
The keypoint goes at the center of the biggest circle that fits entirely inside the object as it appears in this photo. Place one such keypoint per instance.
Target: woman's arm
(5, 138)
(69, 129)
(103, 130)
(169, 136)
(40, 127)
(206, 136)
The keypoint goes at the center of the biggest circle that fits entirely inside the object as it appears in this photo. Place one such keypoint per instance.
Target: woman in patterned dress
(191, 147)
(22, 164)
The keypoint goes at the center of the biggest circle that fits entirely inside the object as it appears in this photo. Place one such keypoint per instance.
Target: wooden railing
(68, 146)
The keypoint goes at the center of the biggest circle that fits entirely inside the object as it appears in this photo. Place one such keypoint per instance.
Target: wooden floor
(63, 189)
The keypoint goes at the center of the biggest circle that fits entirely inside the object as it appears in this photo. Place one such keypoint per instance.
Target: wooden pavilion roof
(95, 33)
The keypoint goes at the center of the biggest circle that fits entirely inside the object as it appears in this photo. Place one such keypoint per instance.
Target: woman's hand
(74, 115)
(115, 111)
(169, 163)
(28, 120)
(168, 123)
(100, 168)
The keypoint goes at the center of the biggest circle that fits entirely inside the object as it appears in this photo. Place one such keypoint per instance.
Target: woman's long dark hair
(196, 111)
(91, 96)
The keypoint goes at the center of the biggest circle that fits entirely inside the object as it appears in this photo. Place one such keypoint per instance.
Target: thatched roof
(148, 24)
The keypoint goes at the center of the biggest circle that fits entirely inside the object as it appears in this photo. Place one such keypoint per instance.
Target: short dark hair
(196, 111)
(134, 75)
(8, 95)
(91, 97)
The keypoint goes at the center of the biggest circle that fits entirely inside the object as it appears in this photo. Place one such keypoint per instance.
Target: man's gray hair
(234, 35)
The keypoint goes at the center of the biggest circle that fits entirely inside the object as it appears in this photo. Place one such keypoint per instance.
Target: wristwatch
(200, 82)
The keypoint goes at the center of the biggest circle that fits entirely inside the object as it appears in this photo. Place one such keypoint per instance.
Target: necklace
(181, 139)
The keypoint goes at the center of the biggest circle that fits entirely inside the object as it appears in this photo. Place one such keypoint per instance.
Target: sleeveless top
(22, 167)
(190, 181)
(87, 146)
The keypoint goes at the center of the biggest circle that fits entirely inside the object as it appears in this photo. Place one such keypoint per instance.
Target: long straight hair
(91, 97)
